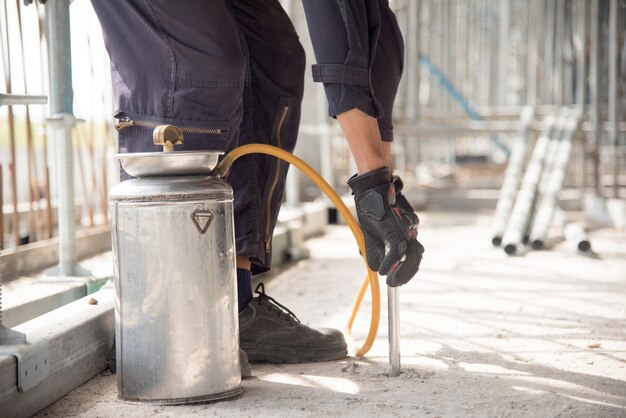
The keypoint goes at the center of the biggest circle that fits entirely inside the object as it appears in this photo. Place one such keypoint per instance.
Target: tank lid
(176, 163)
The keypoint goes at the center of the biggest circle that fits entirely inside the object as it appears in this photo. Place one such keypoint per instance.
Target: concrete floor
(483, 334)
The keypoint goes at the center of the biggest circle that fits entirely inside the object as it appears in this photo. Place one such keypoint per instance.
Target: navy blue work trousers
(231, 72)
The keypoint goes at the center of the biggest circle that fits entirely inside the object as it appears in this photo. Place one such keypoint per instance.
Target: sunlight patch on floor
(489, 368)
(334, 384)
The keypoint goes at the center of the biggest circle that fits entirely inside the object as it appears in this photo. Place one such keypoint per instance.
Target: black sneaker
(270, 332)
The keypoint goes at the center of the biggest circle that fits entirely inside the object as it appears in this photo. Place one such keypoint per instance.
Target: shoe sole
(270, 354)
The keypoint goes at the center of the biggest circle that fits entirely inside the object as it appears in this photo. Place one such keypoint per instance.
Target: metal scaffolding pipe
(533, 53)
(21, 99)
(560, 219)
(594, 90)
(559, 133)
(613, 91)
(512, 177)
(522, 210)
(559, 43)
(412, 62)
(580, 42)
(551, 151)
(576, 235)
(62, 121)
(554, 183)
(548, 74)
(326, 151)
(503, 52)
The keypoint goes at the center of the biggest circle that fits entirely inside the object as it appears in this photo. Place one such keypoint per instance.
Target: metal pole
(594, 84)
(512, 177)
(412, 62)
(568, 54)
(406, 100)
(549, 157)
(613, 91)
(4, 100)
(580, 42)
(576, 235)
(554, 182)
(503, 64)
(393, 309)
(581, 57)
(19, 99)
(326, 153)
(559, 44)
(522, 210)
(292, 193)
(34, 228)
(42, 27)
(533, 53)
(62, 121)
(548, 75)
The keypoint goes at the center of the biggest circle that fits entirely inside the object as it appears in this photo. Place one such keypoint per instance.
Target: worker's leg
(272, 99)
(274, 83)
(174, 62)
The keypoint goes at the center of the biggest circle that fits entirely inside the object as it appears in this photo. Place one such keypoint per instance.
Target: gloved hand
(390, 231)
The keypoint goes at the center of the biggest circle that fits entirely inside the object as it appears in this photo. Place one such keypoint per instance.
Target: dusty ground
(482, 335)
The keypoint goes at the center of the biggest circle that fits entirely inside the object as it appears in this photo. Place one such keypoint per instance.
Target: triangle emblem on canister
(202, 219)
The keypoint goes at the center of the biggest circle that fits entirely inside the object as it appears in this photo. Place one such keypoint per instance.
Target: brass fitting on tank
(167, 136)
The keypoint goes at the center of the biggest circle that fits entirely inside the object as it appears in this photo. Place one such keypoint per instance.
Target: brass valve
(167, 136)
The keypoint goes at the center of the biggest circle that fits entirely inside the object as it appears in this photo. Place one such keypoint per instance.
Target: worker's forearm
(361, 132)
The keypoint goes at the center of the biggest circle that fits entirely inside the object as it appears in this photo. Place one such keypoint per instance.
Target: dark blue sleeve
(344, 34)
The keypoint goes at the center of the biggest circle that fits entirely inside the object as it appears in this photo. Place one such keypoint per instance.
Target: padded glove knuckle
(370, 203)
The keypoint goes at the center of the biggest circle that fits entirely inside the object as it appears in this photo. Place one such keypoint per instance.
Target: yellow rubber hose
(371, 279)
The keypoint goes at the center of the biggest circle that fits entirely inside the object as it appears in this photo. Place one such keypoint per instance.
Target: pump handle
(167, 136)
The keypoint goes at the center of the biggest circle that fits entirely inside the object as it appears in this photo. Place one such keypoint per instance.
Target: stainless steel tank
(174, 256)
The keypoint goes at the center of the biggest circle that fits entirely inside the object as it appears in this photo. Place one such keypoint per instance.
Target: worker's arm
(344, 36)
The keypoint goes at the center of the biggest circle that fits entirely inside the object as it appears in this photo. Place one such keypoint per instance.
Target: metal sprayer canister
(174, 260)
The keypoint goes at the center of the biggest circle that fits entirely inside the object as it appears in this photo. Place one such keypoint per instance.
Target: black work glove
(407, 268)
(390, 231)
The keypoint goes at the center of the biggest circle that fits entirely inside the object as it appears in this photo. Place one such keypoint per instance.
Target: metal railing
(38, 180)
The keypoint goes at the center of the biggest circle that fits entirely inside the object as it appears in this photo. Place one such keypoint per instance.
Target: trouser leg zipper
(275, 178)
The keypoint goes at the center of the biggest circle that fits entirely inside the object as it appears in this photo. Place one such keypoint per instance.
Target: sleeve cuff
(341, 74)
